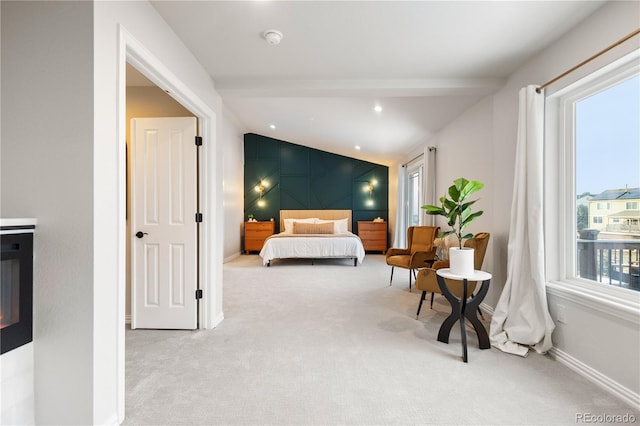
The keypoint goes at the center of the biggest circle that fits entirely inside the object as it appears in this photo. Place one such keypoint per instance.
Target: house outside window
(598, 140)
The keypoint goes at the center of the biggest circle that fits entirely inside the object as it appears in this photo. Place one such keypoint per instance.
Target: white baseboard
(217, 320)
(486, 309)
(625, 394)
(111, 420)
(230, 258)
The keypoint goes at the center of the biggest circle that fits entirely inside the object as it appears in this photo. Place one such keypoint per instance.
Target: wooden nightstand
(255, 233)
(373, 235)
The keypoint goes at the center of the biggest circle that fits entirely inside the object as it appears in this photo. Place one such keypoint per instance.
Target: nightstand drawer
(259, 233)
(375, 245)
(260, 225)
(253, 244)
(372, 234)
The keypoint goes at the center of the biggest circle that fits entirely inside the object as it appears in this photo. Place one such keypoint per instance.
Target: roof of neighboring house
(618, 194)
(626, 213)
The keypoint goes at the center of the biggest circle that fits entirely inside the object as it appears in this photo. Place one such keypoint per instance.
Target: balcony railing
(629, 228)
(613, 262)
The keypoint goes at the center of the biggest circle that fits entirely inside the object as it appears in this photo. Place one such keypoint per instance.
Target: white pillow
(340, 226)
(288, 224)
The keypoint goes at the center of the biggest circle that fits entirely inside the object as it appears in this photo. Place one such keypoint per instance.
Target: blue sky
(608, 139)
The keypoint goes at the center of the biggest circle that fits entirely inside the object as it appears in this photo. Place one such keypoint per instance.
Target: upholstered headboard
(320, 214)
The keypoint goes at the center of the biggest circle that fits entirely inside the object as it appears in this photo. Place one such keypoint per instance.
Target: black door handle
(141, 234)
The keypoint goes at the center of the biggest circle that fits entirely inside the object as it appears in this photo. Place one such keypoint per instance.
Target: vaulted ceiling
(423, 62)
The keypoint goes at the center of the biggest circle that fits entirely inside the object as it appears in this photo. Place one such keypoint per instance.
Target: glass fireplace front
(16, 289)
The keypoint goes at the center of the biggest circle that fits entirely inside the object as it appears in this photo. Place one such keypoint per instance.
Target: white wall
(47, 174)
(601, 345)
(233, 184)
(462, 152)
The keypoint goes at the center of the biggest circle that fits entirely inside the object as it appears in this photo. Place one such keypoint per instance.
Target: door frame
(131, 51)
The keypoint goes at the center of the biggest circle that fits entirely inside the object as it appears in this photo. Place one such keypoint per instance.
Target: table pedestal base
(462, 308)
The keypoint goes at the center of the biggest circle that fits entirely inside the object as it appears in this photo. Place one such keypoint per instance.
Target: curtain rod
(431, 148)
(603, 51)
(413, 159)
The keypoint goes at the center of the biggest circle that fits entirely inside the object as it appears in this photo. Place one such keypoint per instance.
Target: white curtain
(430, 182)
(521, 319)
(400, 237)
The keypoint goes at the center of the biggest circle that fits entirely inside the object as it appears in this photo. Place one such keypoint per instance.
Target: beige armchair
(420, 251)
(428, 283)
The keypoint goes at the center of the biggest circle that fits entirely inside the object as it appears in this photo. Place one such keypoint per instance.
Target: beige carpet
(333, 344)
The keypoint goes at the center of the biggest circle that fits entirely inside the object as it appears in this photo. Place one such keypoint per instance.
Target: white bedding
(312, 246)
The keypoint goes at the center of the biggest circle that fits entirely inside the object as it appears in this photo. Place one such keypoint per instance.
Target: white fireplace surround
(17, 365)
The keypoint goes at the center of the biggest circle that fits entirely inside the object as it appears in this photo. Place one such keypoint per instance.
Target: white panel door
(163, 228)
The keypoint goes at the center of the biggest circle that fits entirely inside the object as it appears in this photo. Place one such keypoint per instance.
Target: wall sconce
(369, 188)
(260, 187)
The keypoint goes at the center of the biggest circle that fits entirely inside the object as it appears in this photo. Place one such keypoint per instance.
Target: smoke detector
(272, 36)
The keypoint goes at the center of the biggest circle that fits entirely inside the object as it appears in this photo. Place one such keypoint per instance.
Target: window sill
(611, 301)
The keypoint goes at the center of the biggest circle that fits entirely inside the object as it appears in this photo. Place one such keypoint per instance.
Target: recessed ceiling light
(377, 108)
(272, 126)
(358, 147)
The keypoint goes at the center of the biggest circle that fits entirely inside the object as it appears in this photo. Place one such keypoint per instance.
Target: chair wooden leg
(432, 294)
(410, 274)
(424, 293)
(391, 276)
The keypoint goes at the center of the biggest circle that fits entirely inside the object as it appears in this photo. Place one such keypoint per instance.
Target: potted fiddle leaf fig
(456, 208)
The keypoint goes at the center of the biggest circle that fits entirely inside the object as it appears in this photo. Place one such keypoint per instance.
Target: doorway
(210, 273)
(145, 99)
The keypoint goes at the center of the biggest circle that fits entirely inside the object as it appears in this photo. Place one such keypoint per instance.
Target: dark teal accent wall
(302, 178)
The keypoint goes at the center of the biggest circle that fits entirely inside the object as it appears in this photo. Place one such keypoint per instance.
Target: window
(607, 146)
(414, 193)
(595, 125)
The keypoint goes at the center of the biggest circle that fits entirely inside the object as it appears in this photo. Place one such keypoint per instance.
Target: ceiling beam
(357, 87)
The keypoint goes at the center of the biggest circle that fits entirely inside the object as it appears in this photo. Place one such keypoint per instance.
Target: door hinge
(198, 140)
(198, 294)
(198, 217)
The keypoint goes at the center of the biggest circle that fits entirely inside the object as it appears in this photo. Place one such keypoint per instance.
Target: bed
(313, 234)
